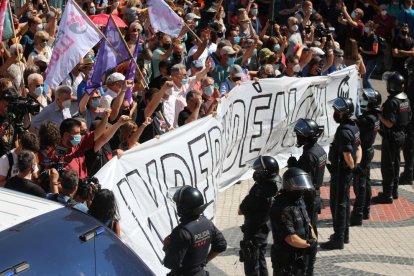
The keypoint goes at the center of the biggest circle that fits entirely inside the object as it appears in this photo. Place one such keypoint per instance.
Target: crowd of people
(53, 140)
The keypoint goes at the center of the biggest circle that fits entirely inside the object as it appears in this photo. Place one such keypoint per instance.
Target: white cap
(317, 51)
(114, 77)
(190, 16)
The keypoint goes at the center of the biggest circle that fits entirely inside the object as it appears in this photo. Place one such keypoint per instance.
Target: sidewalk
(384, 245)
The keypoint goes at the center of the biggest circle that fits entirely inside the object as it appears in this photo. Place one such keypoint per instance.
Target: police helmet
(308, 128)
(344, 106)
(395, 83)
(373, 97)
(266, 164)
(189, 201)
(295, 179)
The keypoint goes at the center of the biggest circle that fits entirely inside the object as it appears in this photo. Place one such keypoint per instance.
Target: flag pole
(129, 51)
(22, 84)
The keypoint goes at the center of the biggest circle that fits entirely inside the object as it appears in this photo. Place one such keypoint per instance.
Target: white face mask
(353, 15)
(294, 28)
(384, 12)
(39, 27)
(296, 68)
(66, 104)
(366, 5)
(367, 29)
(245, 25)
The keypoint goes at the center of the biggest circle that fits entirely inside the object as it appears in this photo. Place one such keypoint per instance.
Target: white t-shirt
(107, 98)
(4, 165)
(74, 82)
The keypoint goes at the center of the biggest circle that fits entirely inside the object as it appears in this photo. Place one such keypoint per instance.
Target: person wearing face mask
(295, 39)
(210, 95)
(293, 68)
(57, 111)
(14, 64)
(337, 63)
(353, 22)
(369, 51)
(163, 52)
(407, 16)
(384, 29)
(27, 39)
(35, 85)
(101, 6)
(41, 47)
(345, 155)
(193, 109)
(369, 9)
(182, 84)
(246, 28)
(236, 76)
(294, 241)
(402, 48)
(192, 20)
(114, 84)
(253, 11)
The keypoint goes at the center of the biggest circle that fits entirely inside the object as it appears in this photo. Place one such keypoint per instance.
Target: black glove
(292, 162)
(313, 243)
(358, 170)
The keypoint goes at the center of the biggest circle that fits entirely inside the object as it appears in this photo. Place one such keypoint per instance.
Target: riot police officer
(344, 155)
(368, 124)
(312, 161)
(187, 248)
(255, 208)
(408, 149)
(294, 241)
(395, 117)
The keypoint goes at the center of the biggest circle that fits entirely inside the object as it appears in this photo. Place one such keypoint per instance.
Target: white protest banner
(163, 18)
(211, 153)
(76, 36)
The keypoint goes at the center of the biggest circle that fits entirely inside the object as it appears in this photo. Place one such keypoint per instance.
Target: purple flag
(107, 58)
(131, 72)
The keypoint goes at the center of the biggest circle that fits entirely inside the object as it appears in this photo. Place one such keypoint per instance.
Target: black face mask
(42, 68)
(166, 46)
(294, 195)
(337, 118)
(176, 57)
(236, 79)
(300, 141)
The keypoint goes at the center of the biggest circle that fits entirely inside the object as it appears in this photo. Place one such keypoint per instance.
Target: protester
(105, 209)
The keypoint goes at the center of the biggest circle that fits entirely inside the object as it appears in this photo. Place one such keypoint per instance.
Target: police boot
(333, 244)
(382, 198)
(395, 193)
(356, 219)
(406, 178)
(365, 214)
(346, 237)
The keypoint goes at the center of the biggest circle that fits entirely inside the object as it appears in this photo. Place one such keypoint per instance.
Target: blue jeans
(370, 67)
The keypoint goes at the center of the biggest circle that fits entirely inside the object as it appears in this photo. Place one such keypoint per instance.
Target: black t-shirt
(368, 44)
(25, 186)
(157, 127)
(405, 44)
(183, 116)
(96, 160)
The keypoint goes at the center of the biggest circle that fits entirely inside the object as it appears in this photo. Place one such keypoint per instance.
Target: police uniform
(408, 148)
(313, 161)
(397, 110)
(289, 218)
(368, 124)
(190, 244)
(347, 139)
(255, 208)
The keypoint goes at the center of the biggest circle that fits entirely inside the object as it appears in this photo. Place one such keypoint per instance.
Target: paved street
(382, 246)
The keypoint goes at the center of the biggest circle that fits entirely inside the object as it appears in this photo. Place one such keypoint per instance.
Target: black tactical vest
(334, 155)
(318, 171)
(369, 131)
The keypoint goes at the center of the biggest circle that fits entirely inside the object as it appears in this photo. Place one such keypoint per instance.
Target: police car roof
(47, 238)
(17, 207)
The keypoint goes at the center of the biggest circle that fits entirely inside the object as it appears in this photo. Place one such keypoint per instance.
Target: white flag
(76, 36)
(163, 18)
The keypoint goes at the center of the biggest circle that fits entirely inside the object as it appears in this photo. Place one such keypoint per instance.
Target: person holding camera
(66, 190)
(22, 182)
(9, 161)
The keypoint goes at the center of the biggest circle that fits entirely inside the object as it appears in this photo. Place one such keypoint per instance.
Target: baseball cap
(265, 53)
(227, 50)
(190, 16)
(114, 77)
(338, 52)
(86, 61)
(197, 64)
(237, 71)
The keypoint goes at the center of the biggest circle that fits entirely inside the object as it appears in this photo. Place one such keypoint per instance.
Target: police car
(42, 237)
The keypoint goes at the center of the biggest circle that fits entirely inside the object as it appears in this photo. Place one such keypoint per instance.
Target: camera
(18, 107)
(321, 31)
